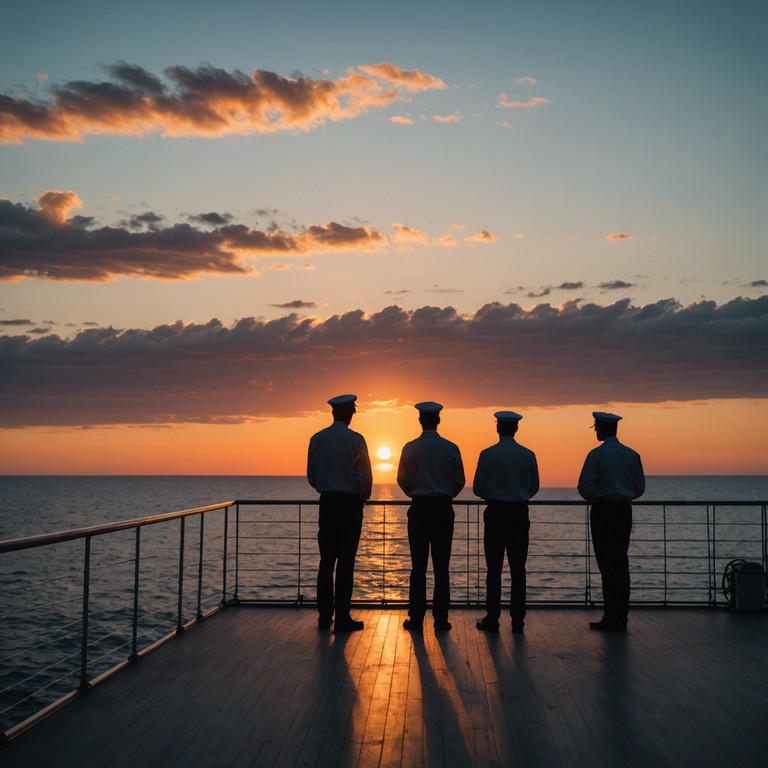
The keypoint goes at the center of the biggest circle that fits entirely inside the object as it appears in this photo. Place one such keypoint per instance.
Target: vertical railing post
(224, 558)
(714, 552)
(587, 561)
(179, 620)
(765, 536)
(299, 598)
(200, 569)
(136, 569)
(664, 531)
(466, 545)
(384, 556)
(235, 594)
(710, 595)
(477, 539)
(84, 631)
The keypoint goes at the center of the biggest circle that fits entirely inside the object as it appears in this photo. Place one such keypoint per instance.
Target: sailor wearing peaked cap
(612, 476)
(342, 400)
(507, 476)
(431, 473)
(509, 417)
(339, 468)
(428, 407)
(607, 418)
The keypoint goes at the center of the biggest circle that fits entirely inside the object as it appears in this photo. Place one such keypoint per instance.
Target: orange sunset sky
(212, 223)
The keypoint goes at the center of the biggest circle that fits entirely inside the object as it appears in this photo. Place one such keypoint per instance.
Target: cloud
(545, 291)
(213, 219)
(45, 244)
(615, 285)
(149, 220)
(408, 80)
(535, 101)
(570, 286)
(204, 101)
(405, 234)
(483, 236)
(580, 353)
(759, 284)
(454, 118)
(619, 236)
(296, 304)
(400, 120)
(58, 205)
(20, 321)
(526, 81)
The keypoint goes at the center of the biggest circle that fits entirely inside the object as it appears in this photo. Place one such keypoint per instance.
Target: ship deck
(262, 686)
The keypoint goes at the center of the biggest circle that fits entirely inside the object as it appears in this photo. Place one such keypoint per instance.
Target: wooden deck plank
(262, 686)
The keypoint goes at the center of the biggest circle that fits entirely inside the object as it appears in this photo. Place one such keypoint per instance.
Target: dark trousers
(611, 526)
(506, 531)
(430, 526)
(338, 534)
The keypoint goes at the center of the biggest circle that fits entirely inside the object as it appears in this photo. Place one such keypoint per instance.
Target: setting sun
(384, 453)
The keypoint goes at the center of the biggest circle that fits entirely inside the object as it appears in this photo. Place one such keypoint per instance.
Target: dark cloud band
(46, 244)
(576, 354)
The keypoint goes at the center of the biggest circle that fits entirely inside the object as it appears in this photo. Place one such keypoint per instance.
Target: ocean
(31, 505)
(677, 556)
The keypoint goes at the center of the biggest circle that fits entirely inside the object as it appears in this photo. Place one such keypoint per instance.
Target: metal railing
(77, 606)
(678, 552)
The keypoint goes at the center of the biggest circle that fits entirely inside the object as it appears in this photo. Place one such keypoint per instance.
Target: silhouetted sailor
(339, 467)
(611, 478)
(507, 476)
(431, 473)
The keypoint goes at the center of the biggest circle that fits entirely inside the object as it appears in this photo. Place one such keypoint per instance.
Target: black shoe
(324, 622)
(413, 626)
(347, 625)
(607, 626)
(443, 625)
(488, 625)
(518, 627)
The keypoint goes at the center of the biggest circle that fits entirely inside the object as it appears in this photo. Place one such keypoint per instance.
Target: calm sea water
(31, 504)
(677, 554)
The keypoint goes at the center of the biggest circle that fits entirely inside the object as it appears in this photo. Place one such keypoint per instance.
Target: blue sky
(654, 128)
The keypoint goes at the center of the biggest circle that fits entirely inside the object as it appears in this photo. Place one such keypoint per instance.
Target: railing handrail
(531, 502)
(44, 539)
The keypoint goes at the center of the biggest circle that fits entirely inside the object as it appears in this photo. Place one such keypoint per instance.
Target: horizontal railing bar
(44, 539)
(532, 502)
(41, 540)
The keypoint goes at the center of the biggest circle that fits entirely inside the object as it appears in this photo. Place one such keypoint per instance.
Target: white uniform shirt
(612, 471)
(338, 460)
(506, 471)
(430, 465)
